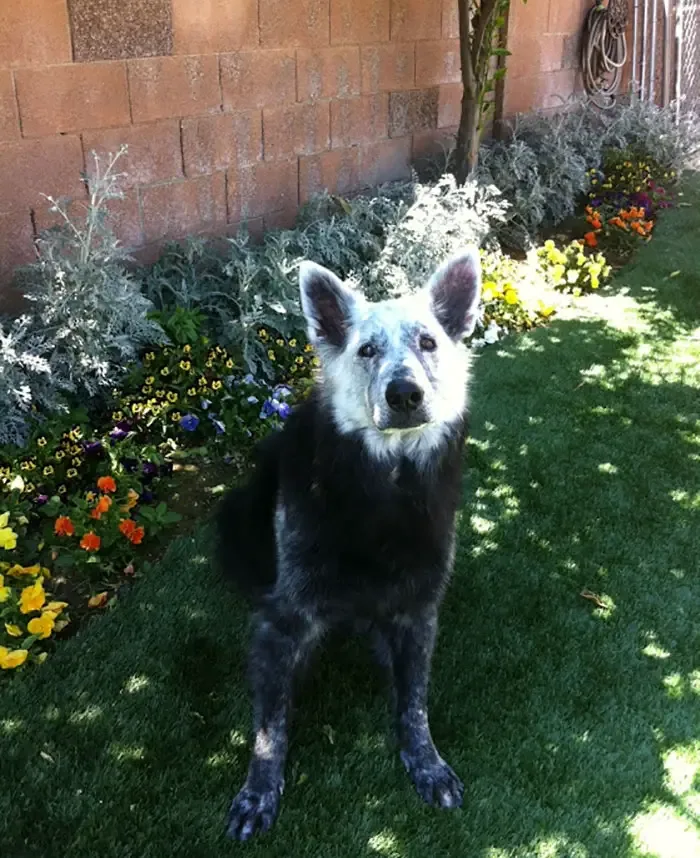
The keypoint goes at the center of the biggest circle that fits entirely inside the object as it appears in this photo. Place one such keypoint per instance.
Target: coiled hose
(604, 51)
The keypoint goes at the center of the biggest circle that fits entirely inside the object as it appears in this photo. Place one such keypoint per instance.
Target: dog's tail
(245, 524)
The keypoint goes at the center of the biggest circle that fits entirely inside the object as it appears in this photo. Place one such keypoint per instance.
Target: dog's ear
(455, 291)
(327, 304)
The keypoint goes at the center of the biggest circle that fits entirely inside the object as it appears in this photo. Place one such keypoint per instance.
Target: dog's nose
(402, 394)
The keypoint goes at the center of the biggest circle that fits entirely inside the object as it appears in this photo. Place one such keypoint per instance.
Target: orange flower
(64, 526)
(90, 542)
(103, 505)
(590, 239)
(595, 222)
(133, 533)
(106, 484)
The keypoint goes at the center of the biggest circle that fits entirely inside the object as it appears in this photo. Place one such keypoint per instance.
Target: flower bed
(218, 358)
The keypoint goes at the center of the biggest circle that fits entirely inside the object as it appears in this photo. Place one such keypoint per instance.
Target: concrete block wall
(238, 110)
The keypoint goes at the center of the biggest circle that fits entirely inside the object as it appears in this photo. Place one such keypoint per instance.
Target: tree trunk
(467, 135)
(467, 150)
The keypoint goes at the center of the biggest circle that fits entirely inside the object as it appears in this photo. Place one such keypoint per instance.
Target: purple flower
(117, 434)
(92, 448)
(189, 422)
(284, 410)
(248, 379)
(40, 500)
(281, 392)
(146, 496)
(149, 469)
(252, 400)
(268, 409)
(205, 403)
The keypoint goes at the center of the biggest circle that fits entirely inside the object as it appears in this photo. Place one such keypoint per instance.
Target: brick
(359, 120)
(165, 87)
(566, 17)
(301, 24)
(34, 33)
(30, 168)
(258, 79)
(264, 188)
(299, 130)
(386, 161)
(571, 52)
(438, 62)
(120, 29)
(328, 73)
(16, 248)
(123, 217)
(537, 92)
(214, 26)
(413, 111)
(435, 143)
(254, 228)
(415, 19)
(450, 19)
(9, 118)
(359, 22)
(153, 151)
(211, 143)
(187, 207)
(60, 99)
(284, 219)
(449, 105)
(337, 172)
(386, 68)
(533, 57)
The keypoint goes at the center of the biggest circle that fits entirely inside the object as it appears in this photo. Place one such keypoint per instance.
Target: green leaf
(28, 641)
(501, 52)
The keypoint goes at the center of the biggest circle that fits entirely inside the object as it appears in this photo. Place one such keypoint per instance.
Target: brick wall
(543, 38)
(233, 110)
(237, 110)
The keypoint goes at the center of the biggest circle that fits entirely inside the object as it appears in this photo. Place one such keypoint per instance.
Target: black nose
(402, 394)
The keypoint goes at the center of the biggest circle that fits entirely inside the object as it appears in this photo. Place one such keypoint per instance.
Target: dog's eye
(427, 343)
(367, 350)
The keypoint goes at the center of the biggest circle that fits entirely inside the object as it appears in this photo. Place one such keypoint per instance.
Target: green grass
(576, 728)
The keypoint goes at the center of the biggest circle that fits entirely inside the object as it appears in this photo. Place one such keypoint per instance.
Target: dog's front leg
(411, 640)
(281, 641)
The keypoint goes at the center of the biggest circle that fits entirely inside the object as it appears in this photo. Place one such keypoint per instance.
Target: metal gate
(665, 56)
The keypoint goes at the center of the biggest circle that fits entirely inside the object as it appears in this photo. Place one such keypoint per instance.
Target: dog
(348, 520)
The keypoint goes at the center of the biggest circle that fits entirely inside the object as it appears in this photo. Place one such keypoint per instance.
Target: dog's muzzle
(405, 399)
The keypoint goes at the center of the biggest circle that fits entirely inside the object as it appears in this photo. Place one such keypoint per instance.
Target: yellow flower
(32, 598)
(229, 364)
(56, 607)
(71, 473)
(315, 362)
(185, 364)
(192, 391)
(18, 570)
(299, 360)
(60, 455)
(12, 658)
(4, 591)
(42, 626)
(293, 343)
(308, 347)
(132, 500)
(271, 354)
(117, 415)
(41, 442)
(48, 470)
(279, 341)
(172, 396)
(262, 333)
(511, 296)
(8, 538)
(216, 385)
(186, 349)
(13, 631)
(165, 371)
(151, 356)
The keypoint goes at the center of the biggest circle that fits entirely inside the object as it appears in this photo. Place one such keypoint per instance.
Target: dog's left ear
(455, 291)
(327, 303)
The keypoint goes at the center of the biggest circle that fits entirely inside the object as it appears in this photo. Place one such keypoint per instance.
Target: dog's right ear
(327, 304)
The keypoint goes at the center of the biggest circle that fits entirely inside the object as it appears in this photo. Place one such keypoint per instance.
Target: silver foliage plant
(88, 317)
(26, 378)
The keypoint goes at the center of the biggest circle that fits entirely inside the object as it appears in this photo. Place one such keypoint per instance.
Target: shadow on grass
(559, 715)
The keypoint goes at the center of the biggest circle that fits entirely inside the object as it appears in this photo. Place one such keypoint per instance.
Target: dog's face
(394, 369)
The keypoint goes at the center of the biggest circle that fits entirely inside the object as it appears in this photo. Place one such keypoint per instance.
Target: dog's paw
(252, 811)
(435, 782)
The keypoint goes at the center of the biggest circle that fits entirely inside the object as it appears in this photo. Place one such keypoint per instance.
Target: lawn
(574, 722)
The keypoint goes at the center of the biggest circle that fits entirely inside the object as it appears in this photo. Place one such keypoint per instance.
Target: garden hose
(604, 51)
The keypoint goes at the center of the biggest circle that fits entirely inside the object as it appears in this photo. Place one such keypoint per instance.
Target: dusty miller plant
(443, 218)
(86, 304)
(26, 379)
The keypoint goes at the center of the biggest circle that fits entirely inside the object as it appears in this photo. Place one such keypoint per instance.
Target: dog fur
(348, 518)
